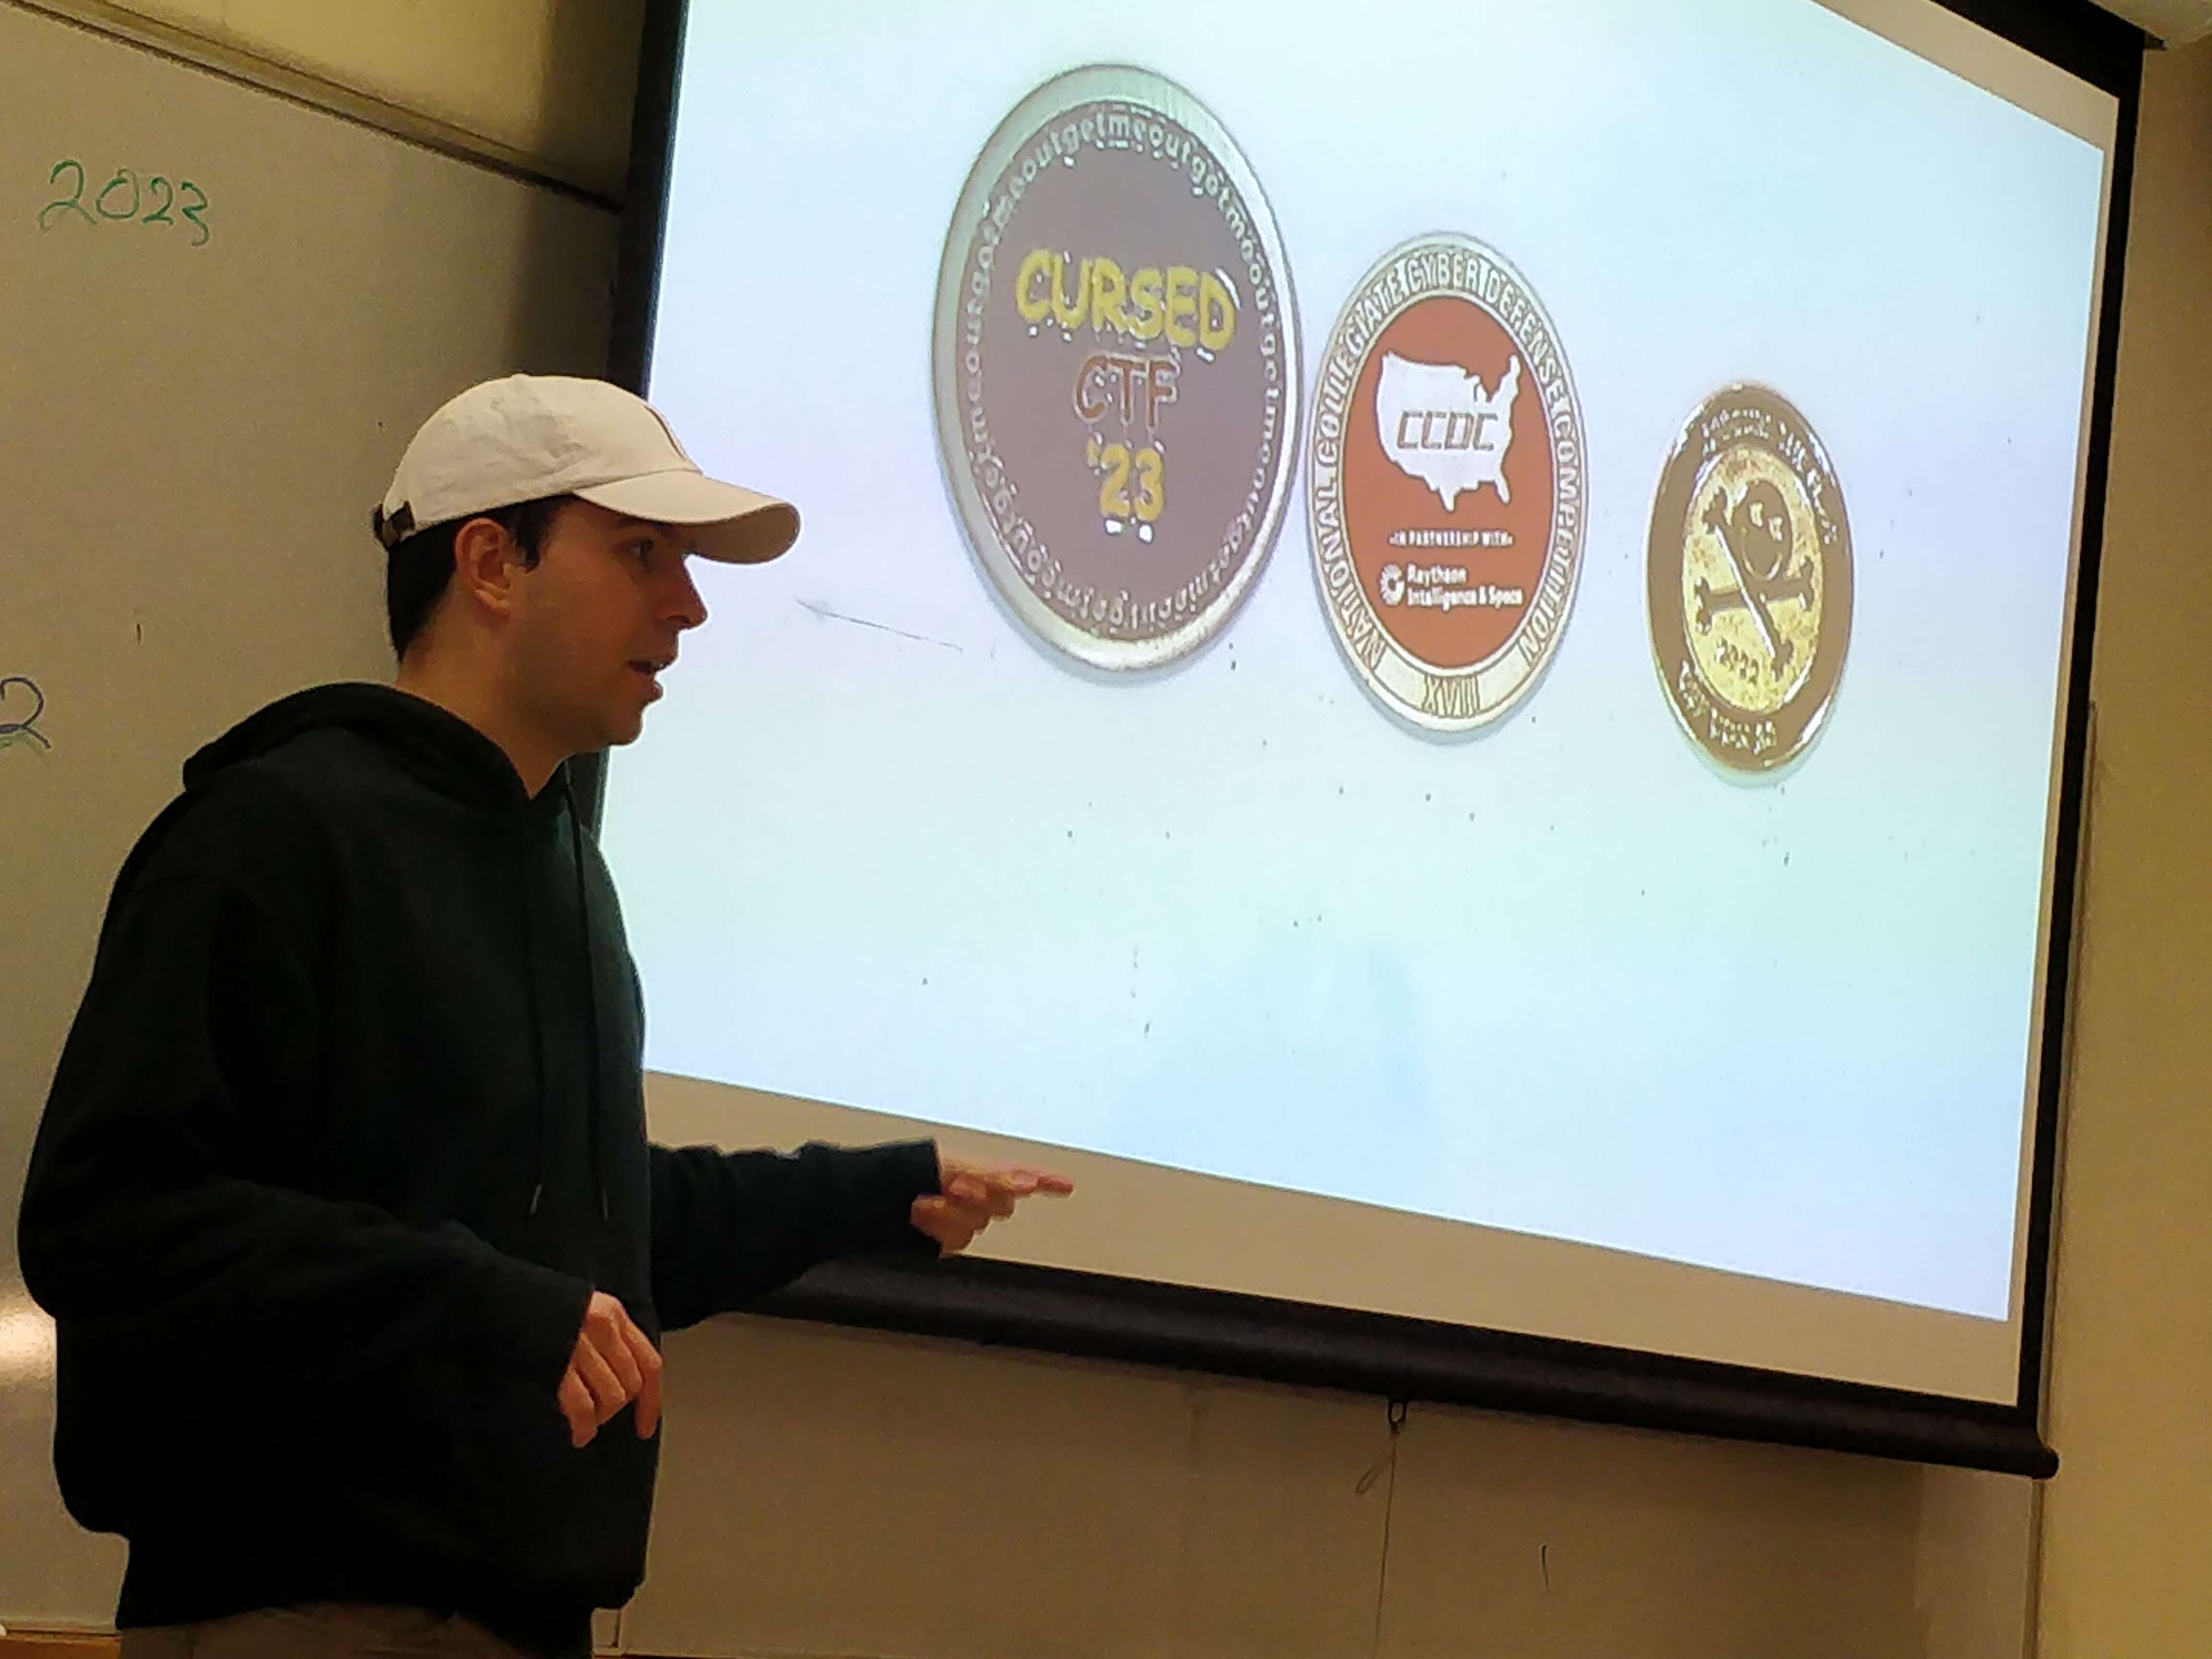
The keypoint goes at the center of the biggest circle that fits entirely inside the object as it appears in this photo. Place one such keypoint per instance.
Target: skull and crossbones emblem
(1756, 536)
(1749, 580)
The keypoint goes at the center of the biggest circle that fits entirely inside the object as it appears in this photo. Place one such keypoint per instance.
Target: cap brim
(727, 522)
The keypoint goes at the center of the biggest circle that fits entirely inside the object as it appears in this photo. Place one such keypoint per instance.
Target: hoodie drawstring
(591, 1023)
(591, 989)
(537, 1047)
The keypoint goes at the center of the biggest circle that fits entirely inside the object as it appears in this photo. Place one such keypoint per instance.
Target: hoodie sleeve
(729, 1227)
(157, 1217)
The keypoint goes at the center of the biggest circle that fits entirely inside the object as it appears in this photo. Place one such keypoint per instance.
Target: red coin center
(1447, 482)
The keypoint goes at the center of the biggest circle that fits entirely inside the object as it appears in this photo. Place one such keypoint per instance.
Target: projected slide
(1461, 609)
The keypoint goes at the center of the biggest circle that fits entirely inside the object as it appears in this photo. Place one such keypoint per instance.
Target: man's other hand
(613, 1365)
(971, 1196)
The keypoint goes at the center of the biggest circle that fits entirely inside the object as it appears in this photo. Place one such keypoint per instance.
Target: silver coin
(1116, 368)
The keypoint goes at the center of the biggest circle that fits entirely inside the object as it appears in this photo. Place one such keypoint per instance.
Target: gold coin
(1750, 581)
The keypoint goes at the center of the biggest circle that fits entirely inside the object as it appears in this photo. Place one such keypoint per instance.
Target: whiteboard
(204, 383)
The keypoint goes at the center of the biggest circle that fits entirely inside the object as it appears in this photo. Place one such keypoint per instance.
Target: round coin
(1445, 484)
(1116, 368)
(1750, 581)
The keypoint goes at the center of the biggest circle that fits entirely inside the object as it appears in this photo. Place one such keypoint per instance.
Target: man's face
(597, 622)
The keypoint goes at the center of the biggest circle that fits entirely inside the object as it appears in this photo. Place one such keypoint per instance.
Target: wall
(843, 1493)
(545, 83)
(2127, 1569)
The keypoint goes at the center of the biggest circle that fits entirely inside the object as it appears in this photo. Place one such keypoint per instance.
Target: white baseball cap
(532, 435)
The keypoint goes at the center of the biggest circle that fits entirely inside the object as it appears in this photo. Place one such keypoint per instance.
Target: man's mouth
(649, 669)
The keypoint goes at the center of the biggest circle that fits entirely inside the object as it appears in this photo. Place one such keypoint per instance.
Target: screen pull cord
(1385, 1469)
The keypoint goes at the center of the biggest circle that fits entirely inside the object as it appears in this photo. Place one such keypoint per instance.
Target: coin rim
(1805, 716)
(1440, 724)
(1090, 84)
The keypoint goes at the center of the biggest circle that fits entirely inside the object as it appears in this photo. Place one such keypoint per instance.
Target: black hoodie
(349, 1129)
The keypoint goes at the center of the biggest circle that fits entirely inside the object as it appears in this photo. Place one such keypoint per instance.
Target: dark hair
(419, 569)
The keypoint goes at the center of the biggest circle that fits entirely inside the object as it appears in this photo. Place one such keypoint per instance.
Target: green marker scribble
(25, 730)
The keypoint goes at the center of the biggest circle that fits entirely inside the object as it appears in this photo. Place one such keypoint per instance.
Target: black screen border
(1102, 1316)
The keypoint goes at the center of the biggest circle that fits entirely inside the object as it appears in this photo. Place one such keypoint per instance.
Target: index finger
(648, 1374)
(1021, 1181)
(575, 1402)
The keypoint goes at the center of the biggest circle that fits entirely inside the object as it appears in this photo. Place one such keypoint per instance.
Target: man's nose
(687, 609)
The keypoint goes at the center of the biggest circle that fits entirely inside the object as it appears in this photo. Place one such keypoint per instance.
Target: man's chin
(619, 727)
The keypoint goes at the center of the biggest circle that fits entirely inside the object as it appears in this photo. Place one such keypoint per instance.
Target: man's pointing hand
(971, 1196)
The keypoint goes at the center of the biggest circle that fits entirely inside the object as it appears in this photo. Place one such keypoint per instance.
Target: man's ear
(485, 563)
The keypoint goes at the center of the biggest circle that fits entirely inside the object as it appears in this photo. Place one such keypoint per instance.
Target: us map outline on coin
(1410, 399)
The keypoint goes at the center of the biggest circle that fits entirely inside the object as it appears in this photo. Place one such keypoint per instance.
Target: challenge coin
(1445, 484)
(1750, 580)
(1116, 368)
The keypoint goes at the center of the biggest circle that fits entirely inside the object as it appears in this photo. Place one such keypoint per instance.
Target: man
(342, 1201)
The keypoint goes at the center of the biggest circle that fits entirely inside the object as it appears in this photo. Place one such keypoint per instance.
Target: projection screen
(1439, 648)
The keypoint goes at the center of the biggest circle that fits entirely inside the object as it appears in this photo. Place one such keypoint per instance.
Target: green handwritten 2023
(120, 199)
